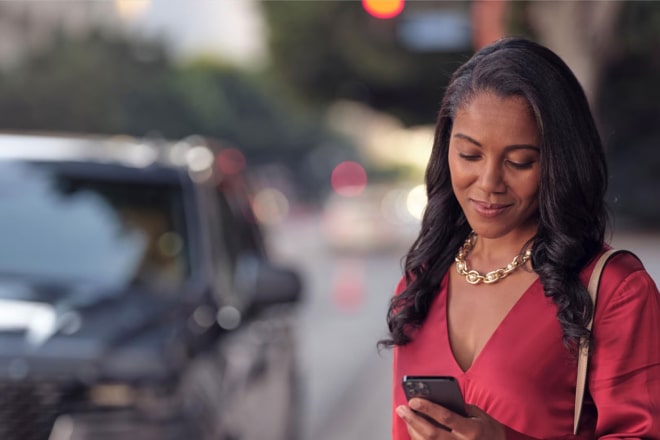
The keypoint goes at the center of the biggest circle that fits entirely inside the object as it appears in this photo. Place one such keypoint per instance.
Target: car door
(259, 356)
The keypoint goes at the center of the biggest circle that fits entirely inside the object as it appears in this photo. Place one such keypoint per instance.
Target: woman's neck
(490, 253)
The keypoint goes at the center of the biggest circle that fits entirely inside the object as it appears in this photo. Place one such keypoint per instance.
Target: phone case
(443, 390)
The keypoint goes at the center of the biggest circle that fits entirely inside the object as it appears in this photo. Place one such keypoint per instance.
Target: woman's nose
(491, 179)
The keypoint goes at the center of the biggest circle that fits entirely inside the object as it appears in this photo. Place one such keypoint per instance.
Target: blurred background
(330, 106)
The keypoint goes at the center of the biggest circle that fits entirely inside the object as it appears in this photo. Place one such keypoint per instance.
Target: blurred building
(25, 26)
(227, 29)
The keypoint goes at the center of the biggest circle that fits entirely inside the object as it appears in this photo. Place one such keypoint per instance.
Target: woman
(515, 184)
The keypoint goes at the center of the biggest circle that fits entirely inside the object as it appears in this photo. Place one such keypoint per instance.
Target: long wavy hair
(572, 212)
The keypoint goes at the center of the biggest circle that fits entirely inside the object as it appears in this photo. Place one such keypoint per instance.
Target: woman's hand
(478, 424)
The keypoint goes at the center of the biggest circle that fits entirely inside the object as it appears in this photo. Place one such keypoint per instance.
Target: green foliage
(328, 50)
(96, 84)
(111, 84)
(245, 110)
(229, 104)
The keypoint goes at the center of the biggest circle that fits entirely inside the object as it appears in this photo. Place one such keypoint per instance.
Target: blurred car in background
(379, 218)
(137, 300)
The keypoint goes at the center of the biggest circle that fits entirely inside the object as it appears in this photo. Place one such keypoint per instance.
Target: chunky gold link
(474, 277)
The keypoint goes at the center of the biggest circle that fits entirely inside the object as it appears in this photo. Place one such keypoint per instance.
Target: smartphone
(442, 390)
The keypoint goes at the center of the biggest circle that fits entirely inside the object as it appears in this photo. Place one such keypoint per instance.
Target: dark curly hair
(572, 212)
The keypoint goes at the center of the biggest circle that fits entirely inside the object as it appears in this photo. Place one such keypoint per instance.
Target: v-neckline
(497, 330)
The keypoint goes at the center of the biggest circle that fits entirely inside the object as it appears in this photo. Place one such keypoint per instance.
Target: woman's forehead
(490, 119)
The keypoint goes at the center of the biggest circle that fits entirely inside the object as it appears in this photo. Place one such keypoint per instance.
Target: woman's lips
(489, 209)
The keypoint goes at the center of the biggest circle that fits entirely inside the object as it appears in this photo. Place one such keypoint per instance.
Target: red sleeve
(515, 435)
(624, 375)
(399, 431)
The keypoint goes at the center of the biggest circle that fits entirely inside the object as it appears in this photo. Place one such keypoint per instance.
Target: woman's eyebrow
(507, 148)
(467, 138)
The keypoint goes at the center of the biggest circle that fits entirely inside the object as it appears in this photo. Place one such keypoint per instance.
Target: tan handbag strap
(580, 386)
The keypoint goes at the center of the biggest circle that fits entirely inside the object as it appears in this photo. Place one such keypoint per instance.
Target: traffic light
(383, 8)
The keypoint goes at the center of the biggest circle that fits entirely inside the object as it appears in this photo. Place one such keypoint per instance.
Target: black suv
(137, 300)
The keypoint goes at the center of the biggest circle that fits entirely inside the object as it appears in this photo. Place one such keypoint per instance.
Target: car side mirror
(263, 284)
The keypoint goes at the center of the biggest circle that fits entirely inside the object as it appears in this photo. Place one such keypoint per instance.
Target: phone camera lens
(422, 389)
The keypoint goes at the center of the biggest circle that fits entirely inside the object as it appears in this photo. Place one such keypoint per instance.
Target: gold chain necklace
(474, 277)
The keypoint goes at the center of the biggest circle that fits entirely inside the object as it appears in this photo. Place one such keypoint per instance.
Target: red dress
(525, 378)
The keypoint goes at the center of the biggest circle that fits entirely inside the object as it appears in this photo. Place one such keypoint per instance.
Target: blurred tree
(586, 40)
(629, 97)
(335, 50)
(238, 107)
(246, 110)
(98, 84)
(103, 84)
(113, 84)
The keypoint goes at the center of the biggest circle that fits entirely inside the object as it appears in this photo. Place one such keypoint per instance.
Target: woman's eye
(521, 165)
(471, 157)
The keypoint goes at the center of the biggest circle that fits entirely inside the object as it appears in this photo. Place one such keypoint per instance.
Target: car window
(61, 226)
(241, 225)
(222, 245)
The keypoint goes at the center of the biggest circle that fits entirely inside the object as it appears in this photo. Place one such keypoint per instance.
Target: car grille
(27, 410)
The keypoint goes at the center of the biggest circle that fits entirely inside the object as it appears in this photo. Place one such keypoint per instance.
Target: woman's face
(494, 165)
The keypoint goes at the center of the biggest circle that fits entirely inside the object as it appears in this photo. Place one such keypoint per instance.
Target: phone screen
(442, 390)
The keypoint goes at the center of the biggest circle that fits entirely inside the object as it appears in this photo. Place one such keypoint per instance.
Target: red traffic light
(383, 8)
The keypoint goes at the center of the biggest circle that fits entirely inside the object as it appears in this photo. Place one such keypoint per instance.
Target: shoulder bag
(583, 358)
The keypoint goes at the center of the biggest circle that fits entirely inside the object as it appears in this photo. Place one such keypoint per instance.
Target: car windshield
(59, 225)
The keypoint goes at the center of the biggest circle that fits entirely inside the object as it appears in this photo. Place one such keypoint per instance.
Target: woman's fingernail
(400, 411)
(414, 403)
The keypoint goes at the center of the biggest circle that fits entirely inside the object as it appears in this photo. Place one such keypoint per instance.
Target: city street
(168, 169)
(346, 382)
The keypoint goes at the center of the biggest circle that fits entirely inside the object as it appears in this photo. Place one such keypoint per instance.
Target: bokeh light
(394, 206)
(170, 244)
(416, 201)
(199, 158)
(270, 206)
(230, 161)
(132, 9)
(348, 179)
(383, 8)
